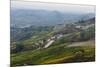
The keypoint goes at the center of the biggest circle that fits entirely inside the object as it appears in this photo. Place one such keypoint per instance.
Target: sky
(53, 7)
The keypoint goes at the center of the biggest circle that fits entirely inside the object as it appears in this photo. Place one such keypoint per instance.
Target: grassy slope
(55, 54)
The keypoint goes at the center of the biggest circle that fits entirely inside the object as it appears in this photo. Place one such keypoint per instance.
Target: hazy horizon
(53, 7)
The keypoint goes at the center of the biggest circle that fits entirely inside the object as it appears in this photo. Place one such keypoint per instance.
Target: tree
(19, 47)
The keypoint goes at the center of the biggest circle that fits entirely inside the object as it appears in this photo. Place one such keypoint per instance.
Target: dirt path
(87, 43)
(49, 43)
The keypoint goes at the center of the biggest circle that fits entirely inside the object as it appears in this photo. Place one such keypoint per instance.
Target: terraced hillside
(74, 42)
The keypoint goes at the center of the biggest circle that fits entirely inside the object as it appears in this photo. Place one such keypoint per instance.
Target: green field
(55, 54)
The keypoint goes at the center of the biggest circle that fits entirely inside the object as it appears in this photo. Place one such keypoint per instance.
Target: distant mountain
(27, 32)
(87, 16)
(27, 17)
